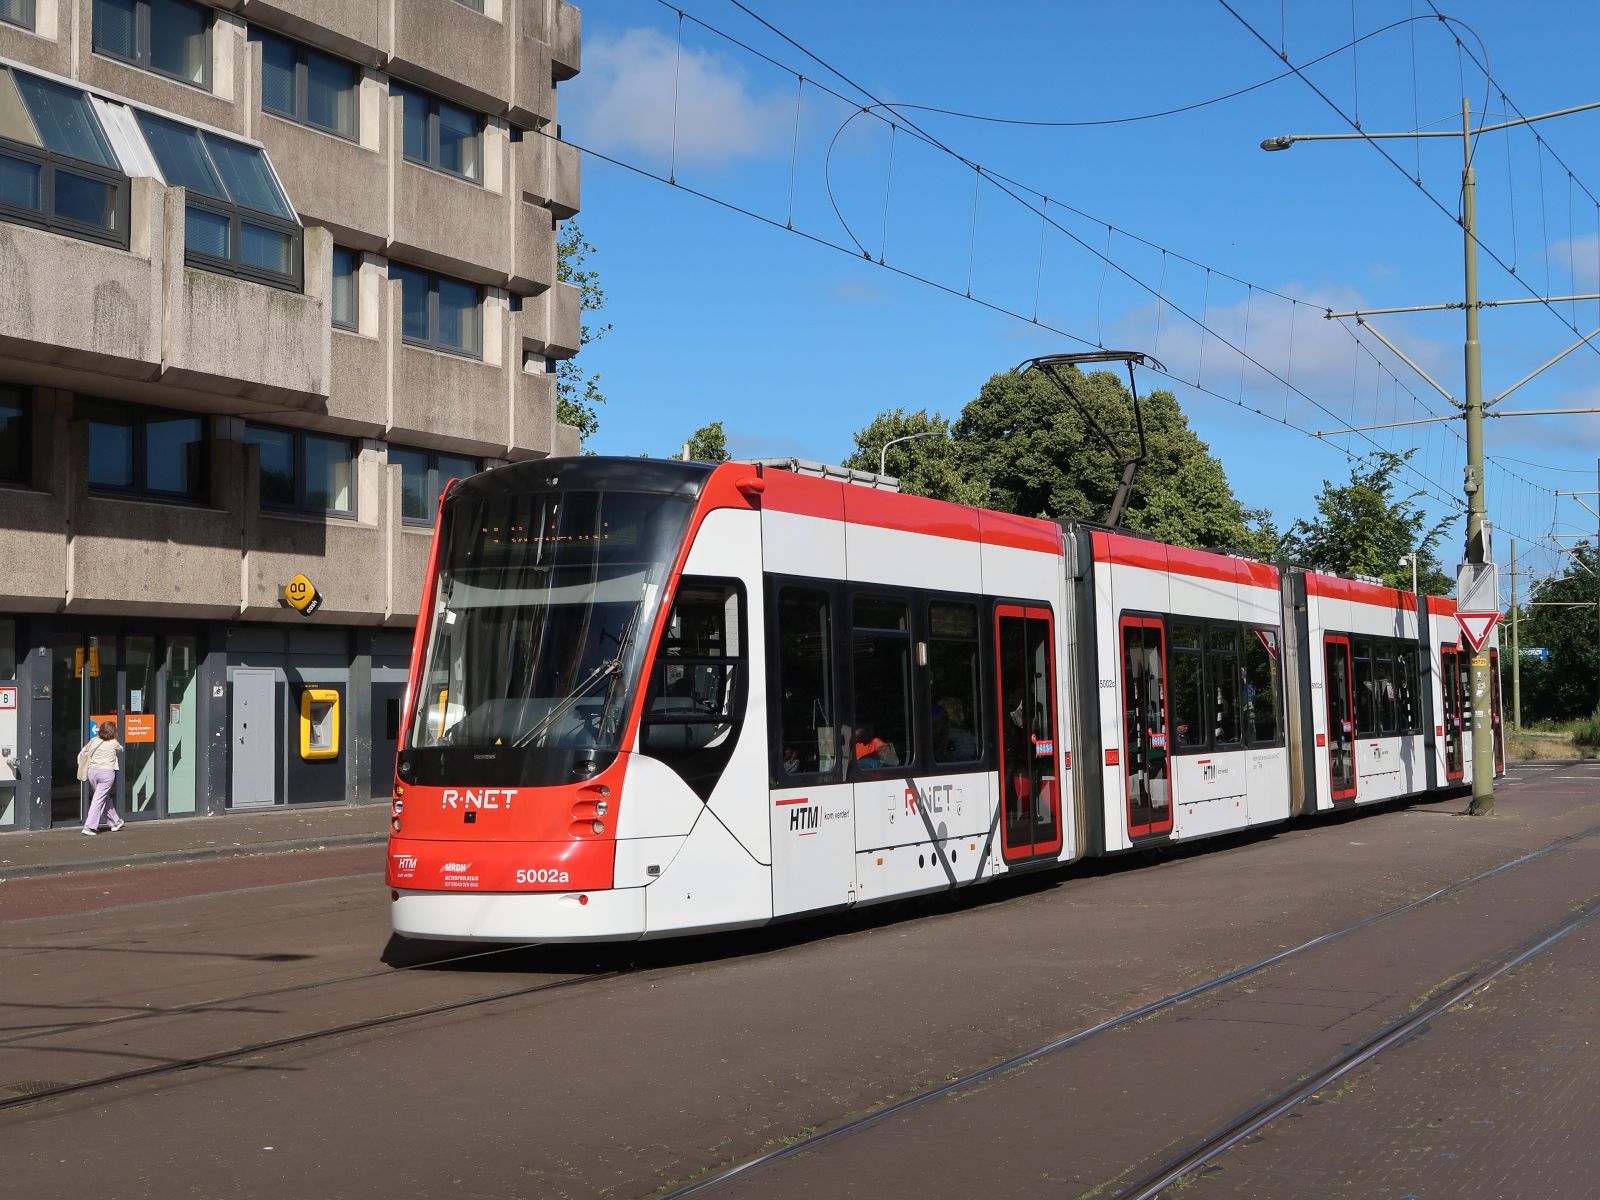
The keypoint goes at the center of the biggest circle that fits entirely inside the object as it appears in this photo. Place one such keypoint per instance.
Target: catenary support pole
(1477, 548)
(1516, 649)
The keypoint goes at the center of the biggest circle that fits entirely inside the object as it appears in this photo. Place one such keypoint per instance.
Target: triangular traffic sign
(1476, 626)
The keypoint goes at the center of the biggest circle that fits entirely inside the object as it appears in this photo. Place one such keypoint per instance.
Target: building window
(346, 288)
(439, 312)
(57, 169)
(15, 452)
(20, 12)
(143, 451)
(441, 135)
(172, 37)
(474, 5)
(306, 85)
(307, 472)
(423, 474)
(237, 221)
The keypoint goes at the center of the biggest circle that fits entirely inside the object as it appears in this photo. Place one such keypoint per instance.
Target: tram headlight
(395, 824)
(602, 808)
(599, 826)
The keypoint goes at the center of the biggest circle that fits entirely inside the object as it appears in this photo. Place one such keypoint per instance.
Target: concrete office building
(270, 272)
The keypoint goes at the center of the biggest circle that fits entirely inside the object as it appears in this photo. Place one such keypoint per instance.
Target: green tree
(1366, 527)
(929, 466)
(578, 393)
(1568, 684)
(709, 444)
(1022, 446)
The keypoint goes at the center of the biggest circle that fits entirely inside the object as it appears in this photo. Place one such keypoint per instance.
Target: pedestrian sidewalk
(185, 839)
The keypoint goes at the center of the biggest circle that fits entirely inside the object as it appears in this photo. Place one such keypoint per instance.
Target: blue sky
(794, 344)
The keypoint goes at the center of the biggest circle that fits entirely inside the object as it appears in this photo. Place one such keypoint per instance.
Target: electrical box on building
(319, 724)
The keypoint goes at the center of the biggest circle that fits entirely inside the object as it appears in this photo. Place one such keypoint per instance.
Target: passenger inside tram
(871, 750)
(953, 738)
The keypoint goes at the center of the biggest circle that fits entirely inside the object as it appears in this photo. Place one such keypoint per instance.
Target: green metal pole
(1482, 729)
(1516, 649)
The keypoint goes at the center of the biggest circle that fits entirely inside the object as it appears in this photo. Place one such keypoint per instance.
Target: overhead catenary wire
(1108, 264)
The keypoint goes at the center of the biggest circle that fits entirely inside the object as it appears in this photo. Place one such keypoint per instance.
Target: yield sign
(1475, 627)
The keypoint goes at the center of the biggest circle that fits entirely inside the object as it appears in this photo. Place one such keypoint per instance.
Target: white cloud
(1581, 258)
(625, 102)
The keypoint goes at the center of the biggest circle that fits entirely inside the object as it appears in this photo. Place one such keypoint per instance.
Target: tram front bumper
(611, 915)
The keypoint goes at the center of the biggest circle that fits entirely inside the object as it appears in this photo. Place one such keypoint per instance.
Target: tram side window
(953, 677)
(1383, 675)
(1366, 700)
(694, 683)
(805, 679)
(881, 682)
(1222, 685)
(1188, 686)
(1261, 685)
(1405, 675)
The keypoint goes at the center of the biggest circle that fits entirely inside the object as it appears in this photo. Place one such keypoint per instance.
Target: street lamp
(1410, 560)
(883, 455)
(1477, 515)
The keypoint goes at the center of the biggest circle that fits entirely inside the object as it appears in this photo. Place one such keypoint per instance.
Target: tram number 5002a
(541, 875)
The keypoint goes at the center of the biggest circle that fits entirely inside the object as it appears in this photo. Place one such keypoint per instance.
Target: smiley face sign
(302, 595)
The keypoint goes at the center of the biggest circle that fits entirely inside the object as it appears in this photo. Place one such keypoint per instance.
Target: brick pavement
(61, 851)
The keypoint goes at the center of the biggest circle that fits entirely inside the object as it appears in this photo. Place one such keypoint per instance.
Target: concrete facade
(145, 327)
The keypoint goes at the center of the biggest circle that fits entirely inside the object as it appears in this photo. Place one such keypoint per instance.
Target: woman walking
(99, 760)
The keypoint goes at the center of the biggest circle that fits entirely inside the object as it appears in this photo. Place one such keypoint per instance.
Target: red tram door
(1030, 792)
(1337, 685)
(1450, 687)
(1144, 726)
(1495, 715)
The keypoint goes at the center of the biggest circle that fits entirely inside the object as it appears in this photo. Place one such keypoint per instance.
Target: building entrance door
(108, 677)
(84, 687)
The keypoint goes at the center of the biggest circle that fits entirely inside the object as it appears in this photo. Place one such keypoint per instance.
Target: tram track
(1249, 1123)
(1212, 1145)
(217, 1057)
(200, 1006)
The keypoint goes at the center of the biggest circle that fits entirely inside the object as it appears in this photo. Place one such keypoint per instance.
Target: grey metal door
(255, 741)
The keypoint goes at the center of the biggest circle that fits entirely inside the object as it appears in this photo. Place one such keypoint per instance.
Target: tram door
(1030, 790)
(1450, 687)
(1144, 726)
(1495, 715)
(1336, 685)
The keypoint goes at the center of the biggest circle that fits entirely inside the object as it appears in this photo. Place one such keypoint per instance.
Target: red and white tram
(652, 698)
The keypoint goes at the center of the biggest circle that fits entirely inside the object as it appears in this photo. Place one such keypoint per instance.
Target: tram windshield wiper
(604, 670)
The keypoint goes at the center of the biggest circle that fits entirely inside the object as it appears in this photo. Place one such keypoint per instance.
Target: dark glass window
(1366, 689)
(806, 732)
(441, 135)
(423, 475)
(306, 85)
(346, 288)
(57, 169)
(1409, 715)
(693, 706)
(1188, 686)
(311, 472)
(20, 12)
(1222, 686)
(145, 451)
(474, 5)
(439, 312)
(169, 36)
(1261, 674)
(953, 679)
(15, 451)
(881, 655)
(238, 221)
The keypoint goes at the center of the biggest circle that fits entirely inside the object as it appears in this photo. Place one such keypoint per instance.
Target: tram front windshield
(543, 608)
